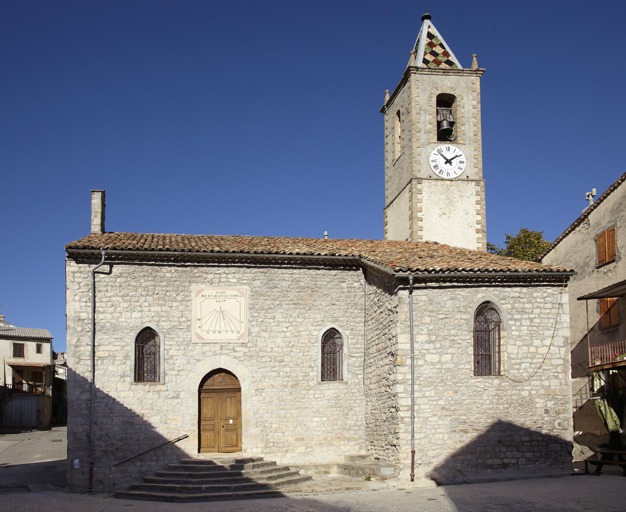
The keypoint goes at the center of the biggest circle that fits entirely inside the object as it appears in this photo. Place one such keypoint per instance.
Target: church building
(420, 351)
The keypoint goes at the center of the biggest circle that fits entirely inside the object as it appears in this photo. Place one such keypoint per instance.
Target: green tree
(527, 245)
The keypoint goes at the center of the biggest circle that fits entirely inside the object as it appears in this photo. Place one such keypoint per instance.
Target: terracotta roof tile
(395, 256)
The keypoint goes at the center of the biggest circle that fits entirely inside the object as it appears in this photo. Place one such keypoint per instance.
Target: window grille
(487, 341)
(147, 356)
(332, 356)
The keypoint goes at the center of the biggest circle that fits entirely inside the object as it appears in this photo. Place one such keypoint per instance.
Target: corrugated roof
(394, 256)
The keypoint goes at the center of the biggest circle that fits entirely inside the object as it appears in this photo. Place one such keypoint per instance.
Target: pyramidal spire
(431, 50)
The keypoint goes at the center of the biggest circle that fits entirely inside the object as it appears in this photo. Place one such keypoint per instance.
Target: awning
(614, 290)
(22, 364)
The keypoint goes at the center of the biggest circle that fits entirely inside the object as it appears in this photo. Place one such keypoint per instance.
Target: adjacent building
(594, 246)
(26, 379)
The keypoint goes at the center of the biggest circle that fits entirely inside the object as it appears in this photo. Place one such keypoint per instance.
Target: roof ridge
(586, 212)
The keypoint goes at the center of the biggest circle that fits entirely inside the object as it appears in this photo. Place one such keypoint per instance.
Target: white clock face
(447, 161)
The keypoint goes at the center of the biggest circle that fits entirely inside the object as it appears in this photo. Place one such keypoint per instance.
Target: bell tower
(434, 187)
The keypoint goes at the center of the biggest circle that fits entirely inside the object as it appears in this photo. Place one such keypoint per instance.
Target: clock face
(447, 161)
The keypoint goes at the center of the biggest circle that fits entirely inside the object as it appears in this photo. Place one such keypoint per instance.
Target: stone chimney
(97, 211)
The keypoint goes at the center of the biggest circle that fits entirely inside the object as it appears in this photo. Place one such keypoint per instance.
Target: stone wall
(288, 414)
(381, 359)
(468, 427)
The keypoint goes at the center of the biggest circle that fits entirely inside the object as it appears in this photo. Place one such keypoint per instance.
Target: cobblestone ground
(53, 501)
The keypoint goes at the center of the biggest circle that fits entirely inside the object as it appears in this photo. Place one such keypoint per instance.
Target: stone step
(213, 487)
(208, 481)
(222, 461)
(188, 467)
(218, 477)
(188, 498)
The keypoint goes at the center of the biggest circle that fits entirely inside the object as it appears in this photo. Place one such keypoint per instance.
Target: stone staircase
(215, 480)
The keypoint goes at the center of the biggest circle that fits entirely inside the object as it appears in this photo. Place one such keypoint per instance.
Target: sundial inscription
(220, 314)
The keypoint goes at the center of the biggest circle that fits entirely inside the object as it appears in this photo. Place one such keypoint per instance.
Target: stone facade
(525, 411)
(288, 413)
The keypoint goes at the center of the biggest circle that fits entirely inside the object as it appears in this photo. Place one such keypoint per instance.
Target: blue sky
(262, 118)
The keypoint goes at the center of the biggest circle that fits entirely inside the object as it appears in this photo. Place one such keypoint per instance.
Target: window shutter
(601, 241)
(610, 244)
(613, 312)
(604, 318)
(18, 350)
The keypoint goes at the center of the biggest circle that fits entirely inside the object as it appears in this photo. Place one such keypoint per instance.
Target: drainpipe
(93, 366)
(588, 340)
(412, 379)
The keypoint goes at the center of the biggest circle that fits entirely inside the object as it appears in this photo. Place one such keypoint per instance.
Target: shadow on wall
(119, 434)
(580, 359)
(503, 451)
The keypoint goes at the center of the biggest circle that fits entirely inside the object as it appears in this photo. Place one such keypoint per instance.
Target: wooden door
(220, 414)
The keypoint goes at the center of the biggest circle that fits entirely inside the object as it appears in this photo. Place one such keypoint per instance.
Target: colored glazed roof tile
(431, 49)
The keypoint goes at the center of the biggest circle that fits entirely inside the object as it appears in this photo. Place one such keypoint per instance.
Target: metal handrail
(151, 449)
(608, 353)
(26, 389)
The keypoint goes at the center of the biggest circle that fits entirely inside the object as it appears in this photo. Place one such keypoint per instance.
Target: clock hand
(448, 162)
(455, 156)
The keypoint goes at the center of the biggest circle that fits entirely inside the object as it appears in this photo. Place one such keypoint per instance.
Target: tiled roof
(11, 331)
(586, 214)
(431, 50)
(393, 256)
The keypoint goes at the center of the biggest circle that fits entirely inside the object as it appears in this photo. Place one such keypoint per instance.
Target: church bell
(444, 130)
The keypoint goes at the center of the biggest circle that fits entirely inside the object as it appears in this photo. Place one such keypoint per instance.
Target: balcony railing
(33, 388)
(613, 353)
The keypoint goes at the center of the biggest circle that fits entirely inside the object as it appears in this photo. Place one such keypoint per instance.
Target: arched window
(332, 355)
(397, 135)
(147, 356)
(487, 341)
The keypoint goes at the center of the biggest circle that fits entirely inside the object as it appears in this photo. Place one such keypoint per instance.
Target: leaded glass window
(332, 355)
(487, 341)
(147, 356)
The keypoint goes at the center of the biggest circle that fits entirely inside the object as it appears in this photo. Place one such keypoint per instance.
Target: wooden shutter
(610, 244)
(601, 241)
(609, 313)
(18, 350)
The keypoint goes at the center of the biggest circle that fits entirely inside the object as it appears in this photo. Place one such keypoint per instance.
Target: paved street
(32, 471)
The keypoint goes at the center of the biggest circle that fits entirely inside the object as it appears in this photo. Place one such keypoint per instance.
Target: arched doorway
(219, 415)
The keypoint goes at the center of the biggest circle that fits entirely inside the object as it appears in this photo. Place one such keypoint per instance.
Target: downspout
(588, 340)
(93, 367)
(412, 379)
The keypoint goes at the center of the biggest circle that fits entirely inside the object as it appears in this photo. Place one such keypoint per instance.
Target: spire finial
(426, 16)
(474, 62)
(386, 96)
